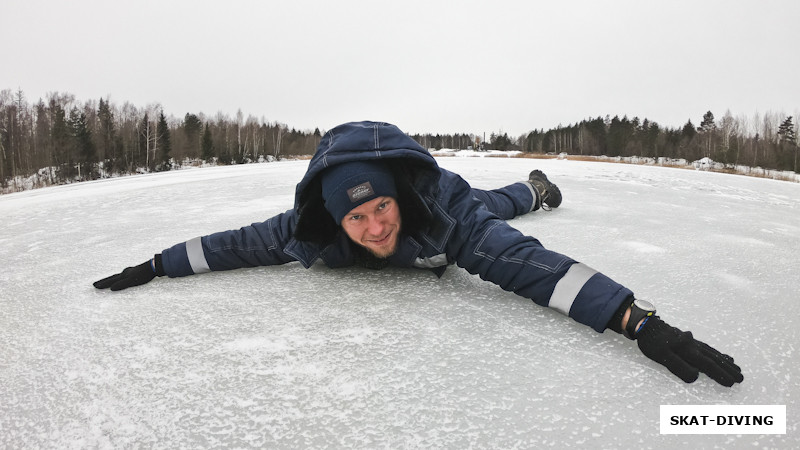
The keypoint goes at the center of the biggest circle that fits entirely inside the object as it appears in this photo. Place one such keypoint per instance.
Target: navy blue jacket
(459, 230)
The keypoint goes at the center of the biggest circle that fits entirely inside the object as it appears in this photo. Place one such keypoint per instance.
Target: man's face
(375, 225)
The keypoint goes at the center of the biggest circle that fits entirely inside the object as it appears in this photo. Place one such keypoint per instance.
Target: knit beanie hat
(349, 185)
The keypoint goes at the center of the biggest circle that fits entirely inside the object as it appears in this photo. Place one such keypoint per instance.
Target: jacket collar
(339, 253)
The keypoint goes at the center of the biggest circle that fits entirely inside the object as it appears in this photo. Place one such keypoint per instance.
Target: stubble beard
(384, 253)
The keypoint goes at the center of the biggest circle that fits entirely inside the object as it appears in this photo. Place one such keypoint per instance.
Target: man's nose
(375, 226)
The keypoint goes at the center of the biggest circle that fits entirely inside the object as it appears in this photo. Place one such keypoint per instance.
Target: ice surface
(283, 357)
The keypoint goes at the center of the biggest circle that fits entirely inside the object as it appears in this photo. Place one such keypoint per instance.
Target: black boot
(549, 192)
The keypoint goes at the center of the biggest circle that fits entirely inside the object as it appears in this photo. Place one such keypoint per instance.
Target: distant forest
(60, 140)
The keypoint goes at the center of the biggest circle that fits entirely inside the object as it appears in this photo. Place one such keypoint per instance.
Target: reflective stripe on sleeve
(194, 251)
(568, 287)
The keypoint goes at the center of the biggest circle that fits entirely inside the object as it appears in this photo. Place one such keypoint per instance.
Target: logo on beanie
(361, 191)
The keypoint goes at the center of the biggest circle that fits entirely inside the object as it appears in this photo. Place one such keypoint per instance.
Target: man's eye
(355, 217)
(383, 205)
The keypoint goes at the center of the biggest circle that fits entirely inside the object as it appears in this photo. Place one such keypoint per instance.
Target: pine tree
(59, 134)
(651, 132)
(192, 127)
(207, 145)
(688, 130)
(788, 143)
(708, 123)
(786, 132)
(164, 143)
(707, 129)
(107, 139)
(686, 141)
(85, 151)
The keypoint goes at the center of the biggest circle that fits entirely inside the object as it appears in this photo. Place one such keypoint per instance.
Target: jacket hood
(361, 141)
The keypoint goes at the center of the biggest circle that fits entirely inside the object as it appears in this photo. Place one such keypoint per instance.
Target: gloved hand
(685, 356)
(133, 276)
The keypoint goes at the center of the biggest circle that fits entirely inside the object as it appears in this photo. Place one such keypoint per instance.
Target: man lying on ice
(372, 196)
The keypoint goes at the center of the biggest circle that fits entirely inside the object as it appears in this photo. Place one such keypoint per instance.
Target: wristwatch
(640, 309)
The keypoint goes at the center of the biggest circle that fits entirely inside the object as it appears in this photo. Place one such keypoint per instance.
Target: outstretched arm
(485, 245)
(259, 244)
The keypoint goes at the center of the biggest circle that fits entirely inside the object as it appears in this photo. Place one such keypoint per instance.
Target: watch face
(644, 304)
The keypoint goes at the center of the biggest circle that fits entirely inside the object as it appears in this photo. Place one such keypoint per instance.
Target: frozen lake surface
(284, 357)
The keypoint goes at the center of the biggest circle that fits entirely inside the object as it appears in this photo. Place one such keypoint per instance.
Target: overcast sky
(427, 66)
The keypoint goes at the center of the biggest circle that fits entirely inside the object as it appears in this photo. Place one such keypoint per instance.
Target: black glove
(685, 356)
(133, 276)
